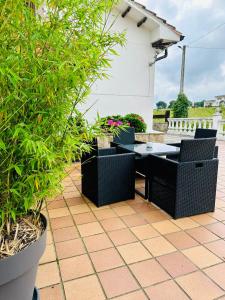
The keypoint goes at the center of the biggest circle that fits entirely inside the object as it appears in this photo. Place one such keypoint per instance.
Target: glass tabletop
(151, 148)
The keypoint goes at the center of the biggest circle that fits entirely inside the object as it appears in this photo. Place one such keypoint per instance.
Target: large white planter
(153, 136)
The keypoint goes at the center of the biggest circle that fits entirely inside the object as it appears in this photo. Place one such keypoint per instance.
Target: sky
(205, 68)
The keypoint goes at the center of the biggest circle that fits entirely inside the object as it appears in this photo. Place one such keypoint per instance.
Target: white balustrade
(221, 129)
(187, 126)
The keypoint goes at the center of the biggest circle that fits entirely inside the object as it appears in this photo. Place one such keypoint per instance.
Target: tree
(161, 105)
(180, 107)
(171, 104)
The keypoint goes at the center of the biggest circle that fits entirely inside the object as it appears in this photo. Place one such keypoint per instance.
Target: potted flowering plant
(51, 53)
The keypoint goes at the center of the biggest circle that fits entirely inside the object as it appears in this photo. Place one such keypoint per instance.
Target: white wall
(130, 88)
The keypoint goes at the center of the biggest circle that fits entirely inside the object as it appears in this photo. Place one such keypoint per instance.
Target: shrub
(136, 121)
(161, 105)
(48, 64)
(113, 123)
(180, 107)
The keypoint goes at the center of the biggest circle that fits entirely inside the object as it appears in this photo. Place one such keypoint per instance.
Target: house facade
(219, 101)
(130, 87)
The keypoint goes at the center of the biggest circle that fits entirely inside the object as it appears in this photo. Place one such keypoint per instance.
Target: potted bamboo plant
(51, 52)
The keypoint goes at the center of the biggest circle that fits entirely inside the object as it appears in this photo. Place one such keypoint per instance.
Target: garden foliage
(50, 58)
(130, 120)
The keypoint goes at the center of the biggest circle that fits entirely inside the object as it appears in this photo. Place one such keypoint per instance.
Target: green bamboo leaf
(18, 170)
(2, 145)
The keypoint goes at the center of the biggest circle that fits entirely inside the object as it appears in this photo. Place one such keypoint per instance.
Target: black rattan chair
(108, 177)
(200, 133)
(125, 137)
(188, 186)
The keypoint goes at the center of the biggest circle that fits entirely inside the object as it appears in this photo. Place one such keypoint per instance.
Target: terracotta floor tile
(75, 201)
(122, 236)
(49, 239)
(97, 242)
(90, 229)
(143, 207)
(176, 264)
(220, 203)
(117, 204)
(75, 267)
(144, 232)
(138, 295)
(216, 273)
(49, 254)
(165, 227)
(61, 222)
(168, 290)
(199, 287)
(106, 259)
(104, 214)
(70, 195)
(52, 293)
(84, 218)
(47, 275)
(112, 224)
(218, 229)
(79, 209)
(201, 257)
(185, 223)
(149, 272)
(87, 288)
(124, 210)
(155, 216)
(203, 219)
(69, 248)
(181, 240)
(117, 282)
(217, 247)
(58, 212)
(93, 207)
(56, 204)
(218, 214)
(159, 246)
(65, 234)
(133, 252)
(134, 220)
(202, 235)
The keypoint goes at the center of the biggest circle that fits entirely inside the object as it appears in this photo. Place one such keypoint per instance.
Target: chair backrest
(125, 137)
(201, 133)
(197, 149)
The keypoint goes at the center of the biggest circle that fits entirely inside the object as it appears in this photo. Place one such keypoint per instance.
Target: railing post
(217, 117)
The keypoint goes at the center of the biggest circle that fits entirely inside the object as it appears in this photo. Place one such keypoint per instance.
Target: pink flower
(110, 122)
(119, 123)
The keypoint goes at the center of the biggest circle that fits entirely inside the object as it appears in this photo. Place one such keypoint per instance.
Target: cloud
(205, 68)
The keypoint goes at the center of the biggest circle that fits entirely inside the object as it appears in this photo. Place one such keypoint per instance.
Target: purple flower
(119, 123)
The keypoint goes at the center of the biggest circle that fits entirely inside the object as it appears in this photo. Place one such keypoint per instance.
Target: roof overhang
(163, 34)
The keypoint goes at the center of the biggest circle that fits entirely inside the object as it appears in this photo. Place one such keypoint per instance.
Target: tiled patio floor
(131, 250)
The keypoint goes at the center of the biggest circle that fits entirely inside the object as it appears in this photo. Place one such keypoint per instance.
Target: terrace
(131, 250)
